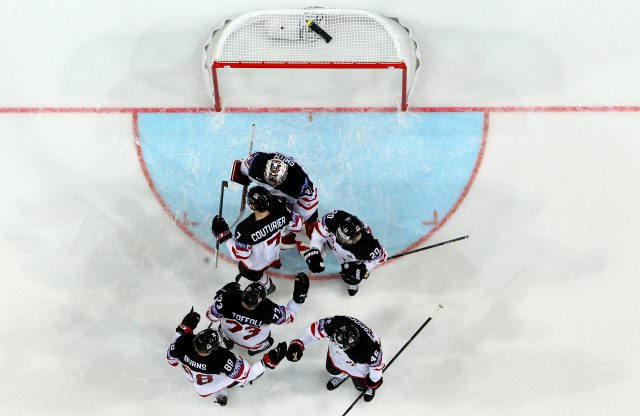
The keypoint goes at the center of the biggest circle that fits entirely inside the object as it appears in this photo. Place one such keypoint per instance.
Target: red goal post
(286, 40)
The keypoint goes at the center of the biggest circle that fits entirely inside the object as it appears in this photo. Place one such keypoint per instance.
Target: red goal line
(457, 109)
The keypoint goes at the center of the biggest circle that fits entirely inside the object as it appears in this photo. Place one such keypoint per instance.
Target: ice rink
(540, 309)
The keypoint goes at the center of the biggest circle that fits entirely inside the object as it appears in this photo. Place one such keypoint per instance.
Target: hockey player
(213, 369)
(246, 316)
(354, 351)
(257, 239)
(352, 243)
(283, 176)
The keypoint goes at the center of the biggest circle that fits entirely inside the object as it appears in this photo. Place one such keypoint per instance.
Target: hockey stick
(406, 344)
(428, 247)
(245, 188)
(223, 185)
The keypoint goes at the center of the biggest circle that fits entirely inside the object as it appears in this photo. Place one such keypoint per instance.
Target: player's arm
(321, 232)
(216, 311)
(376, 256)
(238, 249)
(354, 272)
(319, 236)
(171, 352)
(317, 330)
(308, 197)
(186, 326)
(295, 222)
(286, 314)
(246, 163)
(242, 371)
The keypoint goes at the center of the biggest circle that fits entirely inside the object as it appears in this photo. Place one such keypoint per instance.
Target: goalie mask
(206, 341)
(346, 336)
(253, 295)
(275, 172)
(350, 230)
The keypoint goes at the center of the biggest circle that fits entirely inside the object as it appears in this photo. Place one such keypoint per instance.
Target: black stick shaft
(223, 185)
(392, 360)
(428, 247)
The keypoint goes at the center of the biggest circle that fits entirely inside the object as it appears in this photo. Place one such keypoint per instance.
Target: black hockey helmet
(206, 341)
(275, 172)
(253, 295)
(346, 336)
(350, 230)
(259, 199)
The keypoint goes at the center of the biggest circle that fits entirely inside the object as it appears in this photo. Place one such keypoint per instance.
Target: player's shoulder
(230, 299)
(182, 344)
(368, 242)
(333, 219)
(279, 208)
(244, 229)
(218, 361)
(267, 310)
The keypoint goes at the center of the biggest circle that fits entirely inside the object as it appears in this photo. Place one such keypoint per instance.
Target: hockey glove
(314, 260)
(275, 355)
(220, 229)
(300, 288)
(189, 322)
(352, 273)
(294, 353)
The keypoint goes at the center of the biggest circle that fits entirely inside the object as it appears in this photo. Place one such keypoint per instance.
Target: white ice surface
(540, 316)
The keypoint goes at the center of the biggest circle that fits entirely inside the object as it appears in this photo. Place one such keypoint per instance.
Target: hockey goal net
(312, 57)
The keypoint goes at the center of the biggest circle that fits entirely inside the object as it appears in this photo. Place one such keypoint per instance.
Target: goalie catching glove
(189, 322)
(274, 356)
(314, 260)
(353, 273)
(220, 229)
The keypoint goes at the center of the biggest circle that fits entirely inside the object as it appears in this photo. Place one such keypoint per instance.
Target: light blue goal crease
(397, 172)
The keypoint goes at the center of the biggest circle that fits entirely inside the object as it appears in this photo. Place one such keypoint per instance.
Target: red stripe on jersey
(317, 227)
(309, 208)
(237, 254)
(313, 198)
(315, 331)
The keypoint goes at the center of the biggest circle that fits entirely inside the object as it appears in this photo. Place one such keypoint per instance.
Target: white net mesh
(287, 37)
(283, 36)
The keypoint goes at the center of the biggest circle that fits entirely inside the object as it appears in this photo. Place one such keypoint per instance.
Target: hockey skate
(262, 347)
(336, 382)
(369, 394)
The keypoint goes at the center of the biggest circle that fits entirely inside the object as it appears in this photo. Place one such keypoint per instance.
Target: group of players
(284, 205)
